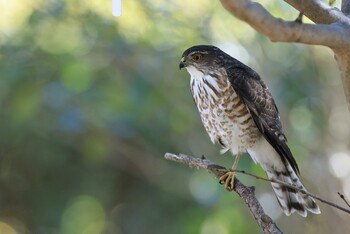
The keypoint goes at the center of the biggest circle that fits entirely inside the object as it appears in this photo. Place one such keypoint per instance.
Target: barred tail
(289, 199)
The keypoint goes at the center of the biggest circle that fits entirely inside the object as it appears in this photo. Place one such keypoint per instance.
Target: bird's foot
(229, 179)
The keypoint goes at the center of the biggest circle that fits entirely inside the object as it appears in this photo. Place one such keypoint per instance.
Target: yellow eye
(196, 57)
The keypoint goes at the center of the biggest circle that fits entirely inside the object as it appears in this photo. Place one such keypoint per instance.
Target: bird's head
(202, 58)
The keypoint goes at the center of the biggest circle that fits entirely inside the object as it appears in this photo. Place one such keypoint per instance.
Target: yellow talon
(229, 179)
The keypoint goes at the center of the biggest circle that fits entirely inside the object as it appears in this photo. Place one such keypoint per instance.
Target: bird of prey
(239, 113)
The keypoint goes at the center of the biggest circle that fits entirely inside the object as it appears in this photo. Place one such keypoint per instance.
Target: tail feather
(289, 199)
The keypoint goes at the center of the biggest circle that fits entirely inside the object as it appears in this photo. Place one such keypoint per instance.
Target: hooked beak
(182, 65)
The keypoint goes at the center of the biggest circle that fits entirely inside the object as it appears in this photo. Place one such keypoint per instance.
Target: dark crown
(200, 48)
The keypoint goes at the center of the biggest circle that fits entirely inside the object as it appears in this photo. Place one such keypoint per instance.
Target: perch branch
(331, 35)
(219, 171)
(245, 192)
(300, 190)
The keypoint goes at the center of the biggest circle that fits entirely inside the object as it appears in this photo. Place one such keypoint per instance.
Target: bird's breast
(224, 115)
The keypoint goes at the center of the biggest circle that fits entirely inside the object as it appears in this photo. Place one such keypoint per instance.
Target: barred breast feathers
(224, 116)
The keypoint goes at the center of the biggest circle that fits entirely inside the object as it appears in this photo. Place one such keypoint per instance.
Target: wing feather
(255, 94)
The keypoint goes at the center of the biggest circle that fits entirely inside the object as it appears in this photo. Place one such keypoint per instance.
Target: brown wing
(255, 94)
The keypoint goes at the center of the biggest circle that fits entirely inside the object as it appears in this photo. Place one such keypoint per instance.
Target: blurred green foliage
(90, 103)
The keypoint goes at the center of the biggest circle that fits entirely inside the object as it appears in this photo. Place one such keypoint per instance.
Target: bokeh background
(89, 104)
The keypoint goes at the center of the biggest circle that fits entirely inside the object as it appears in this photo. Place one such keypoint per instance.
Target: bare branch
(278, 30)
(318, 11)
(218, 171)
(246, 193)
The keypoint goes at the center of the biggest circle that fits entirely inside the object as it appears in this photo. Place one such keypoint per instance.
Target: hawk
(239, 113)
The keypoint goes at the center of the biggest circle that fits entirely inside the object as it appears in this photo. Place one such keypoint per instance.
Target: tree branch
(317, 11)
(246, 193)
(259, 18)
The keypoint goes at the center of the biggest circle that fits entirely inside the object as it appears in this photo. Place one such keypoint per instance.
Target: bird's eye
(196, 57)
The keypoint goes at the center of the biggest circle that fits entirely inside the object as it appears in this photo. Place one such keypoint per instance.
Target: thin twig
(299, 190)
(344, 199)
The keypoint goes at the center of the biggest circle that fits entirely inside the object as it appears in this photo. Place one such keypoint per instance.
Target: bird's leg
(229, 177)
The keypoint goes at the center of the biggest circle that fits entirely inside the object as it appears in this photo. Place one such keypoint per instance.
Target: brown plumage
(238, 112)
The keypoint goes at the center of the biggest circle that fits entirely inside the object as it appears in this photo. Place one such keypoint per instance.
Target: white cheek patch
(195, 74)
